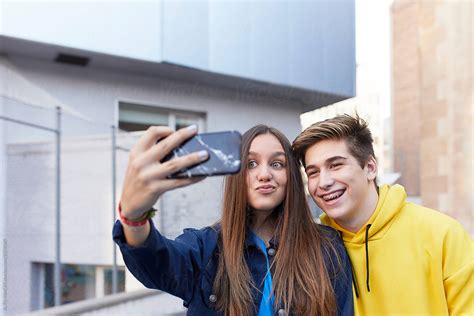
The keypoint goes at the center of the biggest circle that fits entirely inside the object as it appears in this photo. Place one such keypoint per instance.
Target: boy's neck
(360, 219)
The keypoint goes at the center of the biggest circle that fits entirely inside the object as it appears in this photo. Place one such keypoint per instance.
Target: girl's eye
(277, 165)
(335, 165)
(251, 164)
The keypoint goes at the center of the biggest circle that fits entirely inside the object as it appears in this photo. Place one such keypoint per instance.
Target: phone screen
(223, 149)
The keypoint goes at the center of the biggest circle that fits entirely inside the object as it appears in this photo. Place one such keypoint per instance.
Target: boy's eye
(312, 173)
(335, 165)
(251, 164)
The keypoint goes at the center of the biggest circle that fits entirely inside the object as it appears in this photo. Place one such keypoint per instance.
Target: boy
(407, 259)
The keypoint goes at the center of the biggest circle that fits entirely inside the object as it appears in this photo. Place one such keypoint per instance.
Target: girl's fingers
(170, 184)
(151, 136)
(146, 178)
(157, 152)
(162, 170)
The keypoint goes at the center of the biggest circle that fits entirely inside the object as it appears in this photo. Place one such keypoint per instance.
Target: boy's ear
(371, 167)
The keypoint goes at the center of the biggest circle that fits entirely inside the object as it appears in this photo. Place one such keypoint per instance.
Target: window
(137, 117)
(108, 280)
(78, 282)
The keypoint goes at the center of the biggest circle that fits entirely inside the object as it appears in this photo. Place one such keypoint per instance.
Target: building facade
(171, 75)
(433, 105)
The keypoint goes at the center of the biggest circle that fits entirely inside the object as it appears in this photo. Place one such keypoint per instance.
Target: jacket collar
(249, 241)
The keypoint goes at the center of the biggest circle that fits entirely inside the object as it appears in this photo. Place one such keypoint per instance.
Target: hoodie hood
(408, 259)
(391, 200)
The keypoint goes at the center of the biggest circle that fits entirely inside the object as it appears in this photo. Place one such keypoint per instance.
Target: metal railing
(96, 304)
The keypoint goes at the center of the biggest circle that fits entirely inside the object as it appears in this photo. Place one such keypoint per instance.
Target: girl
(265, 256)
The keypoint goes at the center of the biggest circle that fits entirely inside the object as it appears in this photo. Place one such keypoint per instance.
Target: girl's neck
(263, 225)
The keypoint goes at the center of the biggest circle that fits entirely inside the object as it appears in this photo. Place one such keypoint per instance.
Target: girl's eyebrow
(275, 154)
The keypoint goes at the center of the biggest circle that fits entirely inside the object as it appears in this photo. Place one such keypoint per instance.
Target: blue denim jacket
(186, 267)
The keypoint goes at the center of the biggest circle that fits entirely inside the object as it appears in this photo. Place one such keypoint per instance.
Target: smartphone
(224, 154)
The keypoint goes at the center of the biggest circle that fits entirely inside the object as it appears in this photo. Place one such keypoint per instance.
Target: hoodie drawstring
(367, 255)
(354, 281)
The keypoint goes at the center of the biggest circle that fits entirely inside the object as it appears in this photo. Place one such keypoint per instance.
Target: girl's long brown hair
(301, 282)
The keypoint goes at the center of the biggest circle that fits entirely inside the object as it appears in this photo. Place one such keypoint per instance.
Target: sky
(373, 50)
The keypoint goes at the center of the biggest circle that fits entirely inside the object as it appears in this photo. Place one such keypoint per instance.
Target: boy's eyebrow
(328, 161)
(332, 159)
(310, 167)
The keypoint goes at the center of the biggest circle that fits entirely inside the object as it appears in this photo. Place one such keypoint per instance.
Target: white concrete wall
(95, 94)
(70, 23)
(86, 164)
(308, 44)
(3, 239)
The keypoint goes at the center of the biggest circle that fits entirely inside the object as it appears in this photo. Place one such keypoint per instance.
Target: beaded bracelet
(138, 222)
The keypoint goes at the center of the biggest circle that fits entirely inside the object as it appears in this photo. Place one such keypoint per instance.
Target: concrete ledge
(95, 304)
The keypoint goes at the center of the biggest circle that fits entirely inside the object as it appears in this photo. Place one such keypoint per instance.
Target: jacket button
(271, 252)
(281, 312)
(212, 298)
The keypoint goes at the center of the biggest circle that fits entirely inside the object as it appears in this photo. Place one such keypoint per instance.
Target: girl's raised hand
(146, 177)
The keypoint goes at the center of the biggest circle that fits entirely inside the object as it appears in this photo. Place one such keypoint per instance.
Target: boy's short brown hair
(353, 130)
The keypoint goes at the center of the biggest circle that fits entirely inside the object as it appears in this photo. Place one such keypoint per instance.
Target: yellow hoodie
(409, 260)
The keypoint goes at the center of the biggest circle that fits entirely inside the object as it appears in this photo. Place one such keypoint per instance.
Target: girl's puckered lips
(266, 188)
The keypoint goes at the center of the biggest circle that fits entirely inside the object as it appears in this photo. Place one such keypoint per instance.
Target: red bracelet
(139, 222)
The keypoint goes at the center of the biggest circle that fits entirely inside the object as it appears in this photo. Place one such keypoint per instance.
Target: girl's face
(266, 173)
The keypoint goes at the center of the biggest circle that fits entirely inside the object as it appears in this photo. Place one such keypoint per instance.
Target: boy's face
(337, 182)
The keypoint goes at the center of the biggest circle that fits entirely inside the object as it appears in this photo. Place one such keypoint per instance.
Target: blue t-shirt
(266, 305)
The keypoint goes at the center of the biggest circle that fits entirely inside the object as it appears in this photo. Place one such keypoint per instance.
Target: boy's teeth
(332, 195)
